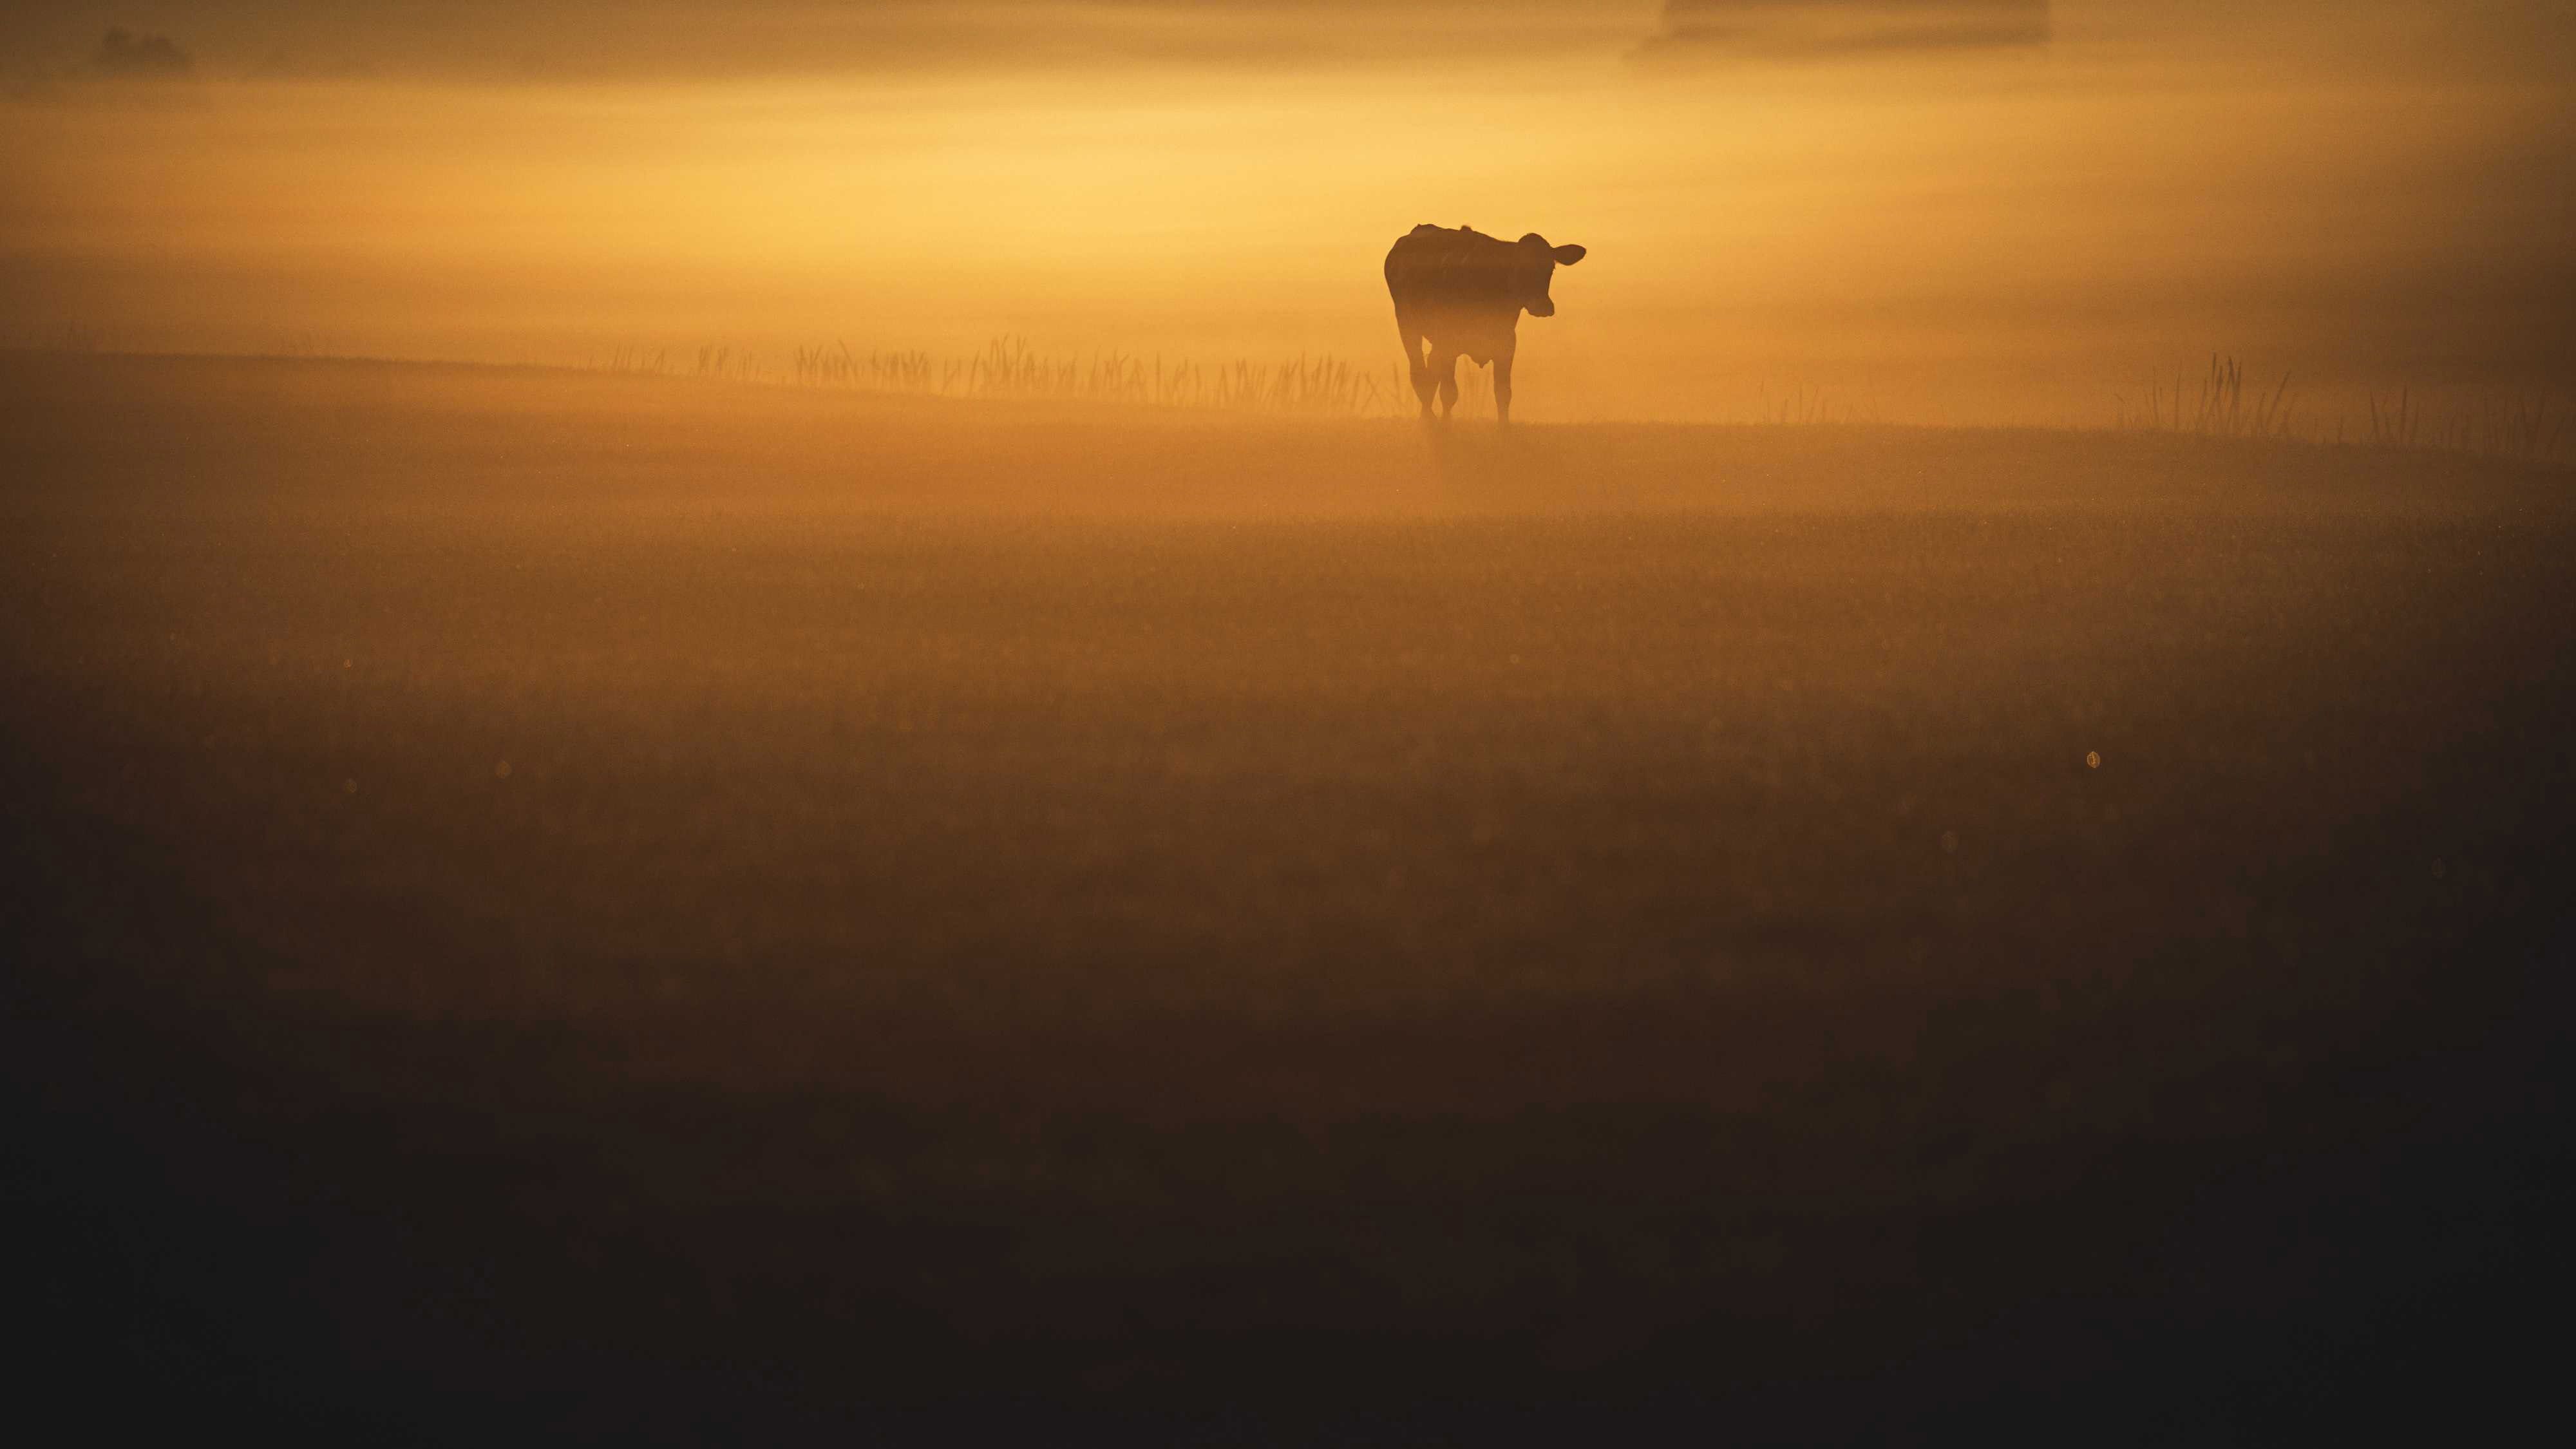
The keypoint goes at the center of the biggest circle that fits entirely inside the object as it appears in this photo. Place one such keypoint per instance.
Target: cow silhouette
(1461, 293)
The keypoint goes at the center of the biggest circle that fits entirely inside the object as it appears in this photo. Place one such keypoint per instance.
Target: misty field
(590, 907)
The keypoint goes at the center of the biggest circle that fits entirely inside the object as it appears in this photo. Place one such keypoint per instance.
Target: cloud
(584, 40)
(123, 55)
(1822, 29)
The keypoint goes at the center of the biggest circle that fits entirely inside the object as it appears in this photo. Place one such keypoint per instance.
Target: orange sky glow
(2020, 217)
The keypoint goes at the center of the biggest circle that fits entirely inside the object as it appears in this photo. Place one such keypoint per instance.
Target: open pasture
(627, 908)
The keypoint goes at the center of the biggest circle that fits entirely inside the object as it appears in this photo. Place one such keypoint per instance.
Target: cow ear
(1568, 254)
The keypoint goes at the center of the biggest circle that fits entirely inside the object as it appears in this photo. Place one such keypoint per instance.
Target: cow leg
(1422, 379)
(1444, 366)
(1503, 388)
(1424, 384)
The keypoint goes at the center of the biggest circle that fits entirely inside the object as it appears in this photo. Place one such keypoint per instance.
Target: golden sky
(1936, 209)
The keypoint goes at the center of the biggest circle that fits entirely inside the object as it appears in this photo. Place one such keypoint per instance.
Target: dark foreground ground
(551, 908)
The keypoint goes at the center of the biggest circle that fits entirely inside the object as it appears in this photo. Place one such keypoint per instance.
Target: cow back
(1435, 268)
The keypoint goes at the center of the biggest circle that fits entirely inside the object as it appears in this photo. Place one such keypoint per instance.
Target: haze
(1975, 211)
(777, 722)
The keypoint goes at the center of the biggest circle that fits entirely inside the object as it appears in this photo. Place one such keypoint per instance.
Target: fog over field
(766, 723)
(680, 907)
(1959, 218)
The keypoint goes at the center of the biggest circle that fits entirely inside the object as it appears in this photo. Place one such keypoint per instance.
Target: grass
(2218, 408)
(1009, 368)
(2529, 426)
(638, 362)
(1806, 406)
(2219, 404)
(1787, 934)
(2521, 427)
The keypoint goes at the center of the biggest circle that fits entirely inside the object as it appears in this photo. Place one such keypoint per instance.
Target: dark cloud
(123, 55)
(285, 64)
(1828, 28)
(626, 39)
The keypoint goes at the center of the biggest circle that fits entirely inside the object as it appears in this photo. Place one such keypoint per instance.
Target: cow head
(1539, 265)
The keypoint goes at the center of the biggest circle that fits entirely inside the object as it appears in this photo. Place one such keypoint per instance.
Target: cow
(1462, 293)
